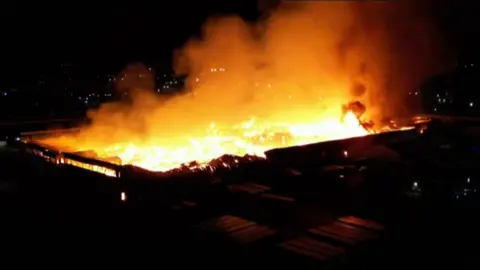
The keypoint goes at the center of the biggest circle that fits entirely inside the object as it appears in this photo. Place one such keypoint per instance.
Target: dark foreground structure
(404, 199)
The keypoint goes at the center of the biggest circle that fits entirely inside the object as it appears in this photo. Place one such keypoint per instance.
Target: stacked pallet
(320, 253)
(237, 229)
(262, 191)
(343, 233)
(329, 245)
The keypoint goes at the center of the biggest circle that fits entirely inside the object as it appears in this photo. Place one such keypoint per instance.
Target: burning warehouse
(249, 165)
(315, 69)
(229, 203)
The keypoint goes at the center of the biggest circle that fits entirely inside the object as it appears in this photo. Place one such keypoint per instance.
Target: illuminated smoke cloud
(297, 64)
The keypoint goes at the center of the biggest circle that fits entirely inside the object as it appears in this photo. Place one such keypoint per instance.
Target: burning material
(252, 88)
(249, 145)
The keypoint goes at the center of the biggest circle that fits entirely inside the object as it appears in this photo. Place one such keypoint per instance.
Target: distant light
(471, 104)
(123, 196)
(5, 94)
(468, 179)
(416, 93)
(345, 153)
(415, 184)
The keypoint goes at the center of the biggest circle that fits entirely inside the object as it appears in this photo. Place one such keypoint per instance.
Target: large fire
(244, 139)
(251, 88)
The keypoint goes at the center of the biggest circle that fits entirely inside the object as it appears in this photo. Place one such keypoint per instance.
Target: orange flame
(251, 88)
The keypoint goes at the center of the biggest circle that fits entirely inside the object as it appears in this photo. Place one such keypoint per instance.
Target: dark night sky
(107, 36)
(459, 20)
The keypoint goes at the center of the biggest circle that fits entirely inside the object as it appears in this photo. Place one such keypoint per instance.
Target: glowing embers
(195, 148)
(45, 154)
(112, 167)
(94, 168)
(197, 155)
(59, 158)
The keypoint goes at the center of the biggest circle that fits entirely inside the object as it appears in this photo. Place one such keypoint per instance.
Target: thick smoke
(393, 48)
(302, 62)
(379, 51)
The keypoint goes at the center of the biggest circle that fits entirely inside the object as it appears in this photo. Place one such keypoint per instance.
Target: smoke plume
(302, 62)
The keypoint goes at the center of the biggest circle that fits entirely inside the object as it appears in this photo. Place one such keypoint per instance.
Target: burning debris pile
(358, 109)
(252, 88)
(225, 150)
(223, 162)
